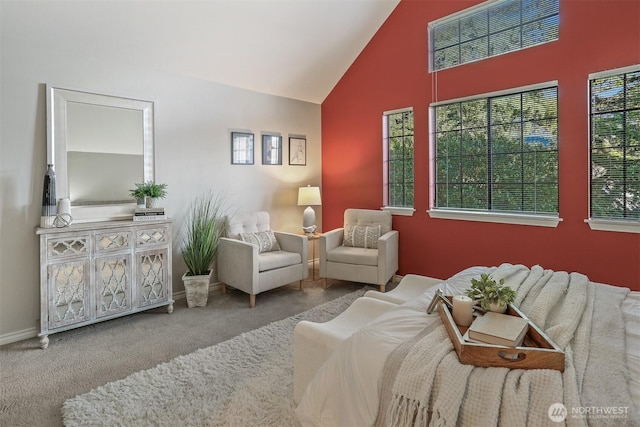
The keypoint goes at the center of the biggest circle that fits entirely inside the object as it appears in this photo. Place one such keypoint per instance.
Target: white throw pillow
(361, 236)
(265, 240)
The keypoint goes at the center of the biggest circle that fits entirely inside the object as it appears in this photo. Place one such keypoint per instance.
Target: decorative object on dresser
(49, 206)
(203, 229)
(149, 214)
(309, 196)
(153, 192)
(98, 271)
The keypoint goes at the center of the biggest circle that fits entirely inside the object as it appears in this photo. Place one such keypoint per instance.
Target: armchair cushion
(277, 259)
(265, 240)
(350, 255)
(361, 236)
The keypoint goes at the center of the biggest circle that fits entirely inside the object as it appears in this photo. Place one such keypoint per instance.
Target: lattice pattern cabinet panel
(98, 271)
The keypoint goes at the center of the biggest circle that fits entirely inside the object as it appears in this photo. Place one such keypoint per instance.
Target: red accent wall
(392, 72)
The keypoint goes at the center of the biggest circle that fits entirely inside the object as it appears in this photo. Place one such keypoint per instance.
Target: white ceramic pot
(497, 307)
(196, 288)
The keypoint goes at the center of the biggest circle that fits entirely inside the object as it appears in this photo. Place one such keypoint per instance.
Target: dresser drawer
(112, 240)
(151, 236)
(62, 246)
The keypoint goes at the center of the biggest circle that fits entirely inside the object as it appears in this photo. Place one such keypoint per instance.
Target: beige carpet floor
(34, 383)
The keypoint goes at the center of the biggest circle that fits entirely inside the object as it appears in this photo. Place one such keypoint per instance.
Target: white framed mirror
(100, 146)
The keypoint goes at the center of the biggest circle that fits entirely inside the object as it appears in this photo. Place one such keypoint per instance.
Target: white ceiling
(293, 48)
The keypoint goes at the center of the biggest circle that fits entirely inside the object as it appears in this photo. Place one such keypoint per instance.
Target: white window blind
(491, 29)
(615, 145)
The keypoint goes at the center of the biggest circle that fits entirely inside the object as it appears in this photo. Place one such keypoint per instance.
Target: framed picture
(298, 151)
(241, 148)
(271, 150)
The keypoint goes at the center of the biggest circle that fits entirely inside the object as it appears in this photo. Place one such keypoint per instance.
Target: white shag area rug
(245, 381)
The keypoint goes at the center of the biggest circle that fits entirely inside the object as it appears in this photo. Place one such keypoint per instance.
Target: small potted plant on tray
(203, 228)
(492, 295)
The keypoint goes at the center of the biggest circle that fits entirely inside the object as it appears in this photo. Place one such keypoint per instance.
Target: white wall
(193, 120)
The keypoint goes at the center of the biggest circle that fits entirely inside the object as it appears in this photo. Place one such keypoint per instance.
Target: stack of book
(149, 214)
(498, 329)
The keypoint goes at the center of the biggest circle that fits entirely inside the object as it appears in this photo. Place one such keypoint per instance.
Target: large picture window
(615, 145)
(491, 29)
(397, 128)
(498, 153)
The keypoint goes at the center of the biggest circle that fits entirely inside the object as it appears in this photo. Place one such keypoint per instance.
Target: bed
(401, 369)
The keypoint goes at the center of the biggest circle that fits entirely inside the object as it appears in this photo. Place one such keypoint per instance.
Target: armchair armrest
(387, 256)
(293, 243)
(329, 240)
(238, 264)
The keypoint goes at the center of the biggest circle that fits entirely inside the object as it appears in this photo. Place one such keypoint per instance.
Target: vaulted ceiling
(293, 48)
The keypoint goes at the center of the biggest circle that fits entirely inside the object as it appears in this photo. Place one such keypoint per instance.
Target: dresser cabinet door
(152, 277)
(68, 285)
(113, 284)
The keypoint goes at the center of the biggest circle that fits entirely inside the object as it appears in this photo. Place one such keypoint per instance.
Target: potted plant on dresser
(154, 192)
(203, 228)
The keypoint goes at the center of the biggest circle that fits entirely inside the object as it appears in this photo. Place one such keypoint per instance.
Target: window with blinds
(615, 145)
(498, 153)
(397, 130)
(491, 29)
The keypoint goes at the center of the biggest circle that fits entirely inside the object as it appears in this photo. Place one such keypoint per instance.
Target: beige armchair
(253, 258)
(364, 250)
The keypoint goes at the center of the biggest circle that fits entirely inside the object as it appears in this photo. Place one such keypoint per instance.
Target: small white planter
(196, 289)
(497, 307)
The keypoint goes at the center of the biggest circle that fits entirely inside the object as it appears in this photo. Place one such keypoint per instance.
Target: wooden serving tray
(537, 352)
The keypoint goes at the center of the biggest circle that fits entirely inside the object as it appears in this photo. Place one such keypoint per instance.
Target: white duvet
(345, 391)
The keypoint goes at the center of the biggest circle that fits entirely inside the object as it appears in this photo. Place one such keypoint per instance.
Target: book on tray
(499, 329)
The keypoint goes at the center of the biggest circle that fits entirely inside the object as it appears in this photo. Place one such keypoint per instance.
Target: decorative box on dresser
(98, 271)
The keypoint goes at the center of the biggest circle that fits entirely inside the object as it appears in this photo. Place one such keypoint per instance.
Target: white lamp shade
(309, 196)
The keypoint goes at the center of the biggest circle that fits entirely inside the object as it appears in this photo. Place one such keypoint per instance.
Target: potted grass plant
(492, 295)
(203, 228)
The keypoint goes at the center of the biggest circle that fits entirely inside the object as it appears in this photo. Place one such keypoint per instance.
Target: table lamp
(309, 196)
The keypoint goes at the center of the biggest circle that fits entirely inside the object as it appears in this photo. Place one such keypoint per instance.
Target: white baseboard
(12, 337)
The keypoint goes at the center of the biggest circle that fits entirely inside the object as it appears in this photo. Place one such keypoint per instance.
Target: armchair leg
(252, 300)
(223, 288)
(382, 288)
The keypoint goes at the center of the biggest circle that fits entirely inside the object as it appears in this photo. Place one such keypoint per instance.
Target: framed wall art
(241, 148)
(297, 151)
(271, 150)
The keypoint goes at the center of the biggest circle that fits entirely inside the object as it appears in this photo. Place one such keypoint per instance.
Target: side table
(313, 238)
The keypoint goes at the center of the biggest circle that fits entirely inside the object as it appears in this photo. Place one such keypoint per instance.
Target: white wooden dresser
(91, 272)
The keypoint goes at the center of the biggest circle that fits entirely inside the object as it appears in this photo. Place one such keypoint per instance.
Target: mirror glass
(100, 147)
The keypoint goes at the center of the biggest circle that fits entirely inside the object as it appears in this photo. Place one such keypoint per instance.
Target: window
(615, 145)
(498, 153)
(397, 131)
(491, 29)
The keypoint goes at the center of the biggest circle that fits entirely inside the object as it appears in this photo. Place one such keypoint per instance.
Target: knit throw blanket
(425, 384)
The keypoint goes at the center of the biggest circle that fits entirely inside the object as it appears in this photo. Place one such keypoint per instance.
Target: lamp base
(309, 220)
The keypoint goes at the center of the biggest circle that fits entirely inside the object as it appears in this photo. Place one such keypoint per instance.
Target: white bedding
(345, 391)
